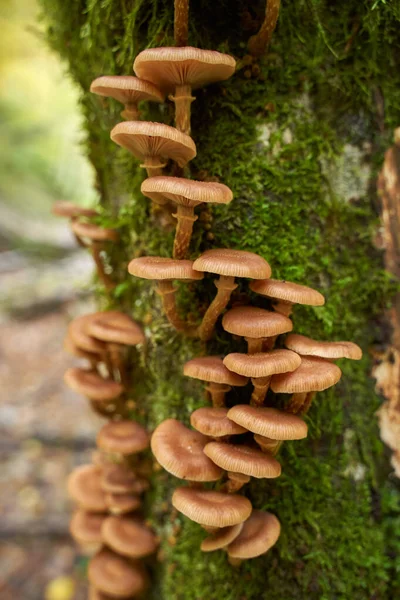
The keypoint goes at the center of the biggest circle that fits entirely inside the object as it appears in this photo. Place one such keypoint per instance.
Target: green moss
(338, 505)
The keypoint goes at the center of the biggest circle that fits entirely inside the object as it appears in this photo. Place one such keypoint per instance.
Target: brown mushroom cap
(115, 575)
(233, 263)
(129, 537)
(85, 528)
(186, 192)
(243, 459)
(158, 268)
(85, 489)
(122, 437)
(288, 292)
(70, 347)
(269, 422)
(77, 331)
(259, 533)
(332, 350)
(213, 509)
(262, 364)
(222, 538)
(172, 67)
(126, 89)
(63, 208)
(92, 385)
(145, 139)
(180, 451)
(314, 375)
(115, 327)
(213, 370)
(214, 422)
(253, 322)
(118, 479)
(94, 232)
(120, 504)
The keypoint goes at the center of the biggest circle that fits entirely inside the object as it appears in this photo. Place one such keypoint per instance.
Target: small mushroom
(115, 575)
(221, 538)
(213, 422)
(121, 504)
(211, 509)
(128, 536)
(261, 367)
(85, 528)
(329, 350)
(181, 70)
(72, 211)
(218, 376)
(285, 294)
(259, 533)
(186, 194)
(165, 271)
(128, 90)
(118, 479)
(84, 487)
(79, 337)
(98, 236)
(93, 386)
(228, 264)
(243, 459)
(122, 438)
(179, 451)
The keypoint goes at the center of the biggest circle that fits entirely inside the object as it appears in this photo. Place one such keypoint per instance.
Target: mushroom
(256, 325)
(285, 293)
(259, 43)
(165, 271)
(71, 211)
(85, 528)
(260, 367)
(243, 459)
(181, 70)
(93, 386)
(115, 575)
(78, 336)
(329, 350)
(128, 90)
(128, 536)
(259, 533)
(179, 451)
(154, 142)
(72, 348)
(120, 504)
(211, 509)
(118, 479)
(84, 488)
(221, 538)
(97, 236)
(228, 264)
(122, 438)
(218, 376)
(186, 194)
(213, 422)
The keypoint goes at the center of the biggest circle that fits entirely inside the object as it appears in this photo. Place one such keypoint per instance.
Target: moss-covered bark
(299, 146)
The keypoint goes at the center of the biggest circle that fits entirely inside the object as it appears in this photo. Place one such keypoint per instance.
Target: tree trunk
(298, 138)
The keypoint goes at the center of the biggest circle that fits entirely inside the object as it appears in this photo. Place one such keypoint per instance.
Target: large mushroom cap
(126, 89)
(332, 350)
(63, 208)
(213, 509)
(221, 539)
(120, 504)
(186, 192)
(214, 422)
(253, 322)
(85, 528)
(122, 437)
(84, 487)
(288, 292)
(212, 369)
(269, 422)
(262, 364)
(233, 263)
(313, 375)
(129, 537)
(157, 268)
(259, 533)
(114, 327)
(144, 139)
(92, 385)
(243, 459)
(115, 575)
(171, 67)
(94, 232)
(180, 451)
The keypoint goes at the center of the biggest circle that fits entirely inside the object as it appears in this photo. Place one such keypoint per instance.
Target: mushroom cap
(262, 364)
(259, 533)
(269, 422)
(233, 263)
(120, 504)
(63, 208)
(129, 537)
(158, 268)
(77, 331)
(243, 459)
(126, 89)
(332, 350)
(145, 139)
(180, 451)
(118, 479)
(85, 527)
(214, 422)
(122, 437)
(70, 347)
(213, 509)
(221, 538)
(314, 375)
(288, 292)
(186, 192)
(213, 370)
(115, 327)
(92, 385)
(85, 489)
(253, 322)
(94, 232)
(172, 67)
(115, 575)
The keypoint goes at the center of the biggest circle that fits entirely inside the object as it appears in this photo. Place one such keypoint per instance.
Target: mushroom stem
(261, 386)
(234, 483)
(117, 361)
(254, 345)
(259, 43)
(225, 286)
(217, 392)
(296, 402)
(167, 293)
(184, 228)
(153, 166)
(283, 308)
(97, 248)
(306, 404)
(235, 562)
(268, 343)
(268, 445)
(131, 112)
(183, 99)
(181, 22)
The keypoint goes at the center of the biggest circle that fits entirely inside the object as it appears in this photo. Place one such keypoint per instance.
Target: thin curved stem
(181, 22)
(96, 249)
(184, 228)
(167, 293)
(182, 99)
(306, 404)
(296, 402)
(225, 286)
(259, 43)
(261, 387)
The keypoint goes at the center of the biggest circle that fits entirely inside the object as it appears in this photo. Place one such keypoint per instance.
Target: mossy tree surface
(300, 147)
